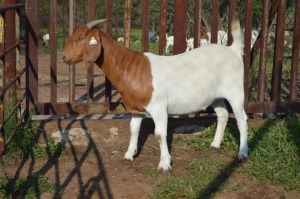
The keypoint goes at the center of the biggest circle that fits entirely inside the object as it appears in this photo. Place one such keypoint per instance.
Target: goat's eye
(79, 39)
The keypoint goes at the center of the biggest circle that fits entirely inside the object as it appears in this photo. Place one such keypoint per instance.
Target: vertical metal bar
(180, 26)
(53, 61)
(90, 71)
(127, 21)
(247, 47)
(9, 71)
(18, 82)
(10, 65)
(10, 59)
(109, 15)
(2, 141)
(231, 14)
(91, 11)
(84, 12)
(145, 28)
(278, 52)
(31, 55)
(263, 53)
(272, 14)
(295, 52)
(71, 67)
(197, 24)
(215, 21)
(162, 27)
(117, 18)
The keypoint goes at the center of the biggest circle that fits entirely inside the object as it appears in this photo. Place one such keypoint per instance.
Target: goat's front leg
(135, 125)
(161, 123)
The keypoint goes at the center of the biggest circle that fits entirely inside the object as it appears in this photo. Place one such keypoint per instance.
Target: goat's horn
(96, 22)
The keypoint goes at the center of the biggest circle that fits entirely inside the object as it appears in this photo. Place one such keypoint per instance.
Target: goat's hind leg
(222, 117)
(241, 117)
(135, 125)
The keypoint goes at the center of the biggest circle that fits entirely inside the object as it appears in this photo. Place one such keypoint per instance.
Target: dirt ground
(93, 164)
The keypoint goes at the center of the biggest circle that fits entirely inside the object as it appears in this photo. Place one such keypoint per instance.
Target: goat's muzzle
(66, 60)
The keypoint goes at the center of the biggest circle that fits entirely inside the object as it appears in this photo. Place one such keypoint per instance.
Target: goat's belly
(187, 106)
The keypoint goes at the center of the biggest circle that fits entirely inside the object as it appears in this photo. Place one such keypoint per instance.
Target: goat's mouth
(66, 60)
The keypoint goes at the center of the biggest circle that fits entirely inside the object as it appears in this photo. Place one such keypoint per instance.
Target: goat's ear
(92, 48)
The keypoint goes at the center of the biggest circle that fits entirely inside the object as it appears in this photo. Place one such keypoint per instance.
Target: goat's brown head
(84, 44)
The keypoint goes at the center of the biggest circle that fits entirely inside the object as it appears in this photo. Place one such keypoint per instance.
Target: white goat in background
(189, 44)
(169, 42)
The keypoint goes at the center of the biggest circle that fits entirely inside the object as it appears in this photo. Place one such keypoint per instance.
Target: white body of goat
(153, 85)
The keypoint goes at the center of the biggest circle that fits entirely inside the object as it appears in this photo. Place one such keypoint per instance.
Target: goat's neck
(128, 70)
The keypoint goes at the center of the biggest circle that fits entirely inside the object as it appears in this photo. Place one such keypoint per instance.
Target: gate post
(180, 26)
(162, 27)
(53, 59)
(145, 26)
(71, 67)
(108, 85)
(127, 21)
(90, 71)
(9, 72)
(2, 142)
(215, 21)
(278, 52)
(295, 52)
(31, 56)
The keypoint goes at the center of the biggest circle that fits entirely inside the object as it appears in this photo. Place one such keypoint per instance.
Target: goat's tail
(237, 44)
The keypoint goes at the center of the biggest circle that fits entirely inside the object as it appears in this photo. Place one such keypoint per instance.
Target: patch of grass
(150, 172)
(230, 143)
(274, 159)
(24, 144)
(30, 187)
(201, 173)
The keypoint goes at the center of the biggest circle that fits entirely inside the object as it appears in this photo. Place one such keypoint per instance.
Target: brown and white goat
(160, 85)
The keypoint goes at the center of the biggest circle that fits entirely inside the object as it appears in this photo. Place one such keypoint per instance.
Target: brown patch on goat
(128, 70)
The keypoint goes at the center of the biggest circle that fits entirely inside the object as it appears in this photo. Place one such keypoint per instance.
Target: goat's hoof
(213, 149)
(128, 157)
(164, 167)
(242, 159)
(164, 171)
(243, 154)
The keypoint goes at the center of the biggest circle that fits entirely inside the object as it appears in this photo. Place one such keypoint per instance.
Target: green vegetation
(23, 146)
(10, 103)
(274, 159)
(275, 153)
(30, 187)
